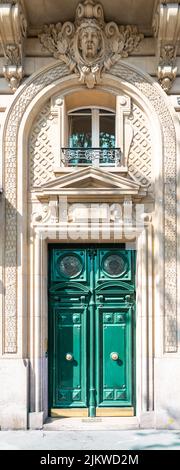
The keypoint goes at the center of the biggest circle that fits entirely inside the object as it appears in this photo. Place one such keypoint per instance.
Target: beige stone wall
(27, 162)
(15, 324)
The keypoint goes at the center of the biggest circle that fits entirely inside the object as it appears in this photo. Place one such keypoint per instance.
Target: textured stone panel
(40, 148)
(140, 155)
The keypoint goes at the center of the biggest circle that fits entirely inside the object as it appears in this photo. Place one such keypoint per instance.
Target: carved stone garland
(90, 46)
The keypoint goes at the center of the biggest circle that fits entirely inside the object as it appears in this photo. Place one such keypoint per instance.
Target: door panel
(114, 301)
(114, 357)
(69, 357)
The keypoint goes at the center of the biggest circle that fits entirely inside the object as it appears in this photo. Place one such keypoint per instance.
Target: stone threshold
(90, 424)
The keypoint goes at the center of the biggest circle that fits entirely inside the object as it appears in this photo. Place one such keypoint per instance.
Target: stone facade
(89, 62)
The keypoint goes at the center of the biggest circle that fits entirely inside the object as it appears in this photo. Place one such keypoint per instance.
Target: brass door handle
(114, 356)
(69, 357)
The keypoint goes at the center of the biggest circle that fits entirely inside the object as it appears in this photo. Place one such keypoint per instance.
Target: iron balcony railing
(91, 156)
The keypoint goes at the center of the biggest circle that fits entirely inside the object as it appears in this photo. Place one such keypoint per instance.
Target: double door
(91, 331)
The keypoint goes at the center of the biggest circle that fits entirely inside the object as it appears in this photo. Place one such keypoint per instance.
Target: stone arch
(25, 106)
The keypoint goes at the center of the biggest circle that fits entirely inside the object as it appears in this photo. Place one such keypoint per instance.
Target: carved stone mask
(89, 46)
(89, 43)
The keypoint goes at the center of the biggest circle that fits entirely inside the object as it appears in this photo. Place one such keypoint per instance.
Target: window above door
(91, 128)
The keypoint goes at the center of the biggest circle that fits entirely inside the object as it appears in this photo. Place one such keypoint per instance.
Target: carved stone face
(89, 42)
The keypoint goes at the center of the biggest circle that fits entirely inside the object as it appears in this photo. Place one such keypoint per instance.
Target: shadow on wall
(157, 440)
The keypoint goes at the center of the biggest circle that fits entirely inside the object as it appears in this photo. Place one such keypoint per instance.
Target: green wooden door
(91, 328)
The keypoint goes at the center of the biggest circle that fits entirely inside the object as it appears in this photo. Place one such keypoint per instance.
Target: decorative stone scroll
(13, 28)
(166, 27)
(90, 46)
(167, 69)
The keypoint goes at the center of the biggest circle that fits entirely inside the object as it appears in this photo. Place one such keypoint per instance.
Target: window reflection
(92, 128)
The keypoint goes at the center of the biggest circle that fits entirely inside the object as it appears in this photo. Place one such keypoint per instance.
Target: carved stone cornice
(89, 46)
(13, 28)
(166, 27)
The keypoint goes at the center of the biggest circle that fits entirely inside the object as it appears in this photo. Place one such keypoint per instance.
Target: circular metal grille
(114, 265)
(70, 266)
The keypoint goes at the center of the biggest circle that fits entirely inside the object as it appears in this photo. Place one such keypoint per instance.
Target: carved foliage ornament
(13, 28)
(89, 45)
(166, 27)
(167, 69)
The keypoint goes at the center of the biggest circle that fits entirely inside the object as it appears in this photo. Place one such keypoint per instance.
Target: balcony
(100, 157)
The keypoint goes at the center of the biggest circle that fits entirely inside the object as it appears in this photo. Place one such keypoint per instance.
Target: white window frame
(95, 124)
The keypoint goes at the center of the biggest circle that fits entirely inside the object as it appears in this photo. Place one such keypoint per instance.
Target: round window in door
(114, 265)
(70, 266)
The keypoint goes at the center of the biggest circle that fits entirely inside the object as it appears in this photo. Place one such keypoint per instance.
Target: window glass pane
(80, 131)
(80, 111)
(105, 111)
(107, 131)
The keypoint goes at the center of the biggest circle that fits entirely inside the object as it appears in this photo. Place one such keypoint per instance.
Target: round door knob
(69, 357)
(114, 356)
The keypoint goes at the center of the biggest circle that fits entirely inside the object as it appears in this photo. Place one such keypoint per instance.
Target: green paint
(91, 316)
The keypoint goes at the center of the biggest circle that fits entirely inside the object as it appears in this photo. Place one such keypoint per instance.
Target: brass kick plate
(69, 412)
(84, 412)
(115, 412)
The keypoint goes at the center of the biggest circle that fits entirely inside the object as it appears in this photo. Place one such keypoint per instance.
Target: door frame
(101, 410)
(144, 320)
